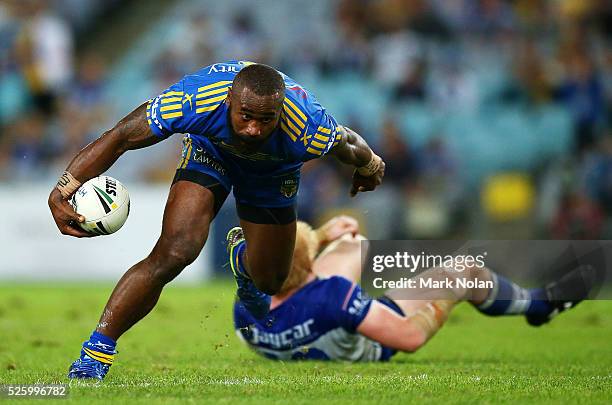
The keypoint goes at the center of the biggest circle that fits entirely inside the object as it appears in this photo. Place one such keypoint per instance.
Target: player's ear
(229, 96)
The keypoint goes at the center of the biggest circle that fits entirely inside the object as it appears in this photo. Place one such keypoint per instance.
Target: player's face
(253, 118)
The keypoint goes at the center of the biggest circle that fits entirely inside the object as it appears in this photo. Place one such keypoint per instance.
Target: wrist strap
(67, 184)
(372, 167)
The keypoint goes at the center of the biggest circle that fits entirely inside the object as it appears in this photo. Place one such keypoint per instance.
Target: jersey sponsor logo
(201, 156)
(287, 338)
(224, 68)
(289, 187)
(229, 68)
(254, 156)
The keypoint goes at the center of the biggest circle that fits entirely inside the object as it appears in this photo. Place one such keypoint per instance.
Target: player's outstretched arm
(405, 333)
(354, 150)
(132, 132)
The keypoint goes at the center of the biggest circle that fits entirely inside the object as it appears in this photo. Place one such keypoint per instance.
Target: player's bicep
(390, 329)
(134, 130)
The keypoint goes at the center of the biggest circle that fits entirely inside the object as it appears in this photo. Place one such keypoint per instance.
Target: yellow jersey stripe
(207, 108)
(173, 93)
(211, 100)
(213, 92)
(288, 132)
(290, 125)
(322, 138)
(318, 144)
(324, 130)
(314, 151)
(172, 115)
(170, 100)
(300, 123)
(212, 86)
(296, 109)
(171, 107)
(150, 122)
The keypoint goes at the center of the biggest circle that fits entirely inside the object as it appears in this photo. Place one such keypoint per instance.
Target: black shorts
(258, 215)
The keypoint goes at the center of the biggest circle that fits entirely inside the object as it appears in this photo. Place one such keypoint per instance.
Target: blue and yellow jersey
(195, 105)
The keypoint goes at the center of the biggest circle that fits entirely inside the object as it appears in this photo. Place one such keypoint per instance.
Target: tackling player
(248, 128)
(321, 313)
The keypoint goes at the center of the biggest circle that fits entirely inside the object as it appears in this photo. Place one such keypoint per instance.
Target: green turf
(186, 350)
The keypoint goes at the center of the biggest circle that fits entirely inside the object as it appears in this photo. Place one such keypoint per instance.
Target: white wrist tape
(67, 184)
(372, 167)
(431, 317)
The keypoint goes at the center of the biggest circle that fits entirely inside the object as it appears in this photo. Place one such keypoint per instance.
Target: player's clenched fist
(368, 177)
(337, 227)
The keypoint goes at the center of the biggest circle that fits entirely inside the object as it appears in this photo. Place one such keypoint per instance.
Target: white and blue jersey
(266, 177)
(319, 321)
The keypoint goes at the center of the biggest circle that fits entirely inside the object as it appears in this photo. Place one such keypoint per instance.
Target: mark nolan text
(418, 282)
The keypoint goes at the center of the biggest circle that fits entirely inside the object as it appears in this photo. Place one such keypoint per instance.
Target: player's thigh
(199, 189)
(189, 211)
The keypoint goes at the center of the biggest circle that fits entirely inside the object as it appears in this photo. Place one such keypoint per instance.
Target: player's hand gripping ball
(105, 204)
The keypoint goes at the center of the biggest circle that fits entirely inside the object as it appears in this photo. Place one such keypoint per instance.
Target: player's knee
(172, 257)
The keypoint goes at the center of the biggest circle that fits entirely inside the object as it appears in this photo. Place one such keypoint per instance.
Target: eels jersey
(195, 105)
(319, 321)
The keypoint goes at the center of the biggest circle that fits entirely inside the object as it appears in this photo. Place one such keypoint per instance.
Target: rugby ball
(105, 204)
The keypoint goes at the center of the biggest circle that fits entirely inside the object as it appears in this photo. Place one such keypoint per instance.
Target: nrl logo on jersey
(289, 187)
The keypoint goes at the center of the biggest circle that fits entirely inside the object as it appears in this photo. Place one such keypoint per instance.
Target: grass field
(186, 350)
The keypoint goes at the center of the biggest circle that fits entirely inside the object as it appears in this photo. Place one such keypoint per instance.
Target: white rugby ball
(105, 204)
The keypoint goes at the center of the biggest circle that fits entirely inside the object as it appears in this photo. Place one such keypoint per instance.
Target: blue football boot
(566, 293)
(94, 362)
(255, 301)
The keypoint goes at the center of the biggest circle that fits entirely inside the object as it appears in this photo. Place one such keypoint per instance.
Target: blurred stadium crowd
(493, 116)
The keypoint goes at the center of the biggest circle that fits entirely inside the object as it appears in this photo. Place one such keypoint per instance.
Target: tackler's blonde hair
(306, 245)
